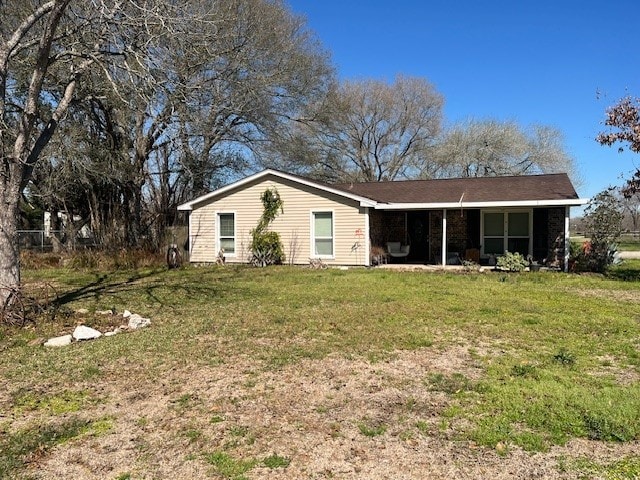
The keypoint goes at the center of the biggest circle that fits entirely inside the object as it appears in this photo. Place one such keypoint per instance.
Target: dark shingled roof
(450, 190)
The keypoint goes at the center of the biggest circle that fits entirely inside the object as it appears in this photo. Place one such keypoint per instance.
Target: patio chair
(397, 250)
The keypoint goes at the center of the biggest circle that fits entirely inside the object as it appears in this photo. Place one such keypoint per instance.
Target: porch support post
(190, 235)
(367, 240)
(567, 239)
(444, 237)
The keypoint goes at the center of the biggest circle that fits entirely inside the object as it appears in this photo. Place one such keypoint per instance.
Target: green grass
(627, 468)
(628, 270)
(229, 467)
(545, 336)
(369, 429)
(32, 442)
(276, 461)
(535, 413)
(629, 243)
(56, 404)
(628, 246)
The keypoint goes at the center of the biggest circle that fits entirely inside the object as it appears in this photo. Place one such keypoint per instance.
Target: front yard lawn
(337, 374)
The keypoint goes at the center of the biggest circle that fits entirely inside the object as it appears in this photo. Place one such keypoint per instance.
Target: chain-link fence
(33, 239)
(41, 239)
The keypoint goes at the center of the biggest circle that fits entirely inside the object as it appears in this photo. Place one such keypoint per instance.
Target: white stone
(104, 312)
(62, 341)
(126, 314)
(82, 332)
(82, 311)
(137, 321)
(113, 332)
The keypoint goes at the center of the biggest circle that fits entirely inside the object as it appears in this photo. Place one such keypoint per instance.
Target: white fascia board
(364, 202)
(495, 204)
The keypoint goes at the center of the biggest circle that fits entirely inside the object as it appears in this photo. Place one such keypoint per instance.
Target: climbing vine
(266, 247)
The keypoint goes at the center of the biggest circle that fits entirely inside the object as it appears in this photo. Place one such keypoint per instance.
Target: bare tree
(367, 130)
(493, 148)
(624, 122)
(47, 50)
(232, 74)
(260, 69)
(239, 66)
(28, 118)
(630, 203)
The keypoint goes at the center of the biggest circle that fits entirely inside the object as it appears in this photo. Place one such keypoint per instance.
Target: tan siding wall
(294, 225)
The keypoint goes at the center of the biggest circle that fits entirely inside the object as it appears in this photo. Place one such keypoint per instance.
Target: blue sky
(559, 63)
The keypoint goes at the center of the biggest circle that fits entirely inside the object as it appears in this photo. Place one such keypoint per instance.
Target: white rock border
(84, 333)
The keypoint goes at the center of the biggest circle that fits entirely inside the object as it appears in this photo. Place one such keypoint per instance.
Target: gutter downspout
(367, 240)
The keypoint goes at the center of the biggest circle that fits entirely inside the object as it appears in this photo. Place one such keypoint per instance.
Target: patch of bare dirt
(311, 413)
(623, 374)
(619, 295)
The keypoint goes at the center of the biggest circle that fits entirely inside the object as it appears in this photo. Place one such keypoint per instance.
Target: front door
(418, 230)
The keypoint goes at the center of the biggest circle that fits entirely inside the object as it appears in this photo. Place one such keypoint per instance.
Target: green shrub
(512, 262)
(266, 247)
(603, 217)
(564, 357)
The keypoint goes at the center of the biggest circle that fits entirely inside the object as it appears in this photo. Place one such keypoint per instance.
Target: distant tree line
(629, 206)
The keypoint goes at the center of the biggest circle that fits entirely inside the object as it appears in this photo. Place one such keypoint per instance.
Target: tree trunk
(9, 248)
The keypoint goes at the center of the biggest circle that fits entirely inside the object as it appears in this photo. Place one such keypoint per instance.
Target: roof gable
(364, 201)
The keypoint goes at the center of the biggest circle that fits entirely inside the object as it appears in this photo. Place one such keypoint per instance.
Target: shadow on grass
(624, 273)
(166, 288)
(105, 283)
(19, 448)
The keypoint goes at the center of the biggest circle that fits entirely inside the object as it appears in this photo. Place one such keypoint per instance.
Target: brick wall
(435, 235)
(386, 227)
(555, 237)
(457, 230)
(456, 233)
(390, 226)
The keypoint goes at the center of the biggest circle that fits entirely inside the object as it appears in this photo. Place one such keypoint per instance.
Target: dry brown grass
(308, 413)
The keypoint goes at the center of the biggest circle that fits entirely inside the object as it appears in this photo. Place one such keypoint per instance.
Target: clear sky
(550, 62)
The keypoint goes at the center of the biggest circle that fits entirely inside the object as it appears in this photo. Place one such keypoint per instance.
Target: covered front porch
(450, 236)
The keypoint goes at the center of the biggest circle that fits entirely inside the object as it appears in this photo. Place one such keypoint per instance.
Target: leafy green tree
(603, 224)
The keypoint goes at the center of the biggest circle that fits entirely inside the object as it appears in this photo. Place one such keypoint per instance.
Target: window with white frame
(506, 231)
(322, 234)
(227, 232)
